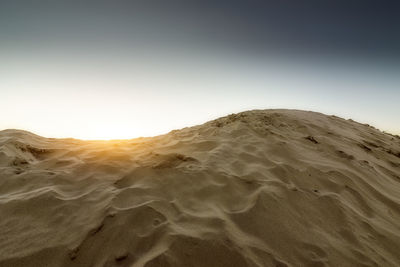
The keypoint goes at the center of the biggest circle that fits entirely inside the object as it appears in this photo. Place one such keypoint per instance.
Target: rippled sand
(259, 188)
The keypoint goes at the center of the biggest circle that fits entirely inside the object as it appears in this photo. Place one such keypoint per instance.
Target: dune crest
(258, 188)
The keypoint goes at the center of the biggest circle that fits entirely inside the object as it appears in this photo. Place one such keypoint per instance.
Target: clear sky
(123, 69)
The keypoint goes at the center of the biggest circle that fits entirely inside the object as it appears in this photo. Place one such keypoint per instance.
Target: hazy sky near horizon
(123, 69)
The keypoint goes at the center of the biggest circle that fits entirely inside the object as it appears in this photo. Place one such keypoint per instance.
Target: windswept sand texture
(259, 188)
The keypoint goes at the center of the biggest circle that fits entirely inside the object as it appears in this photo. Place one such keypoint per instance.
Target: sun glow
(104, 100)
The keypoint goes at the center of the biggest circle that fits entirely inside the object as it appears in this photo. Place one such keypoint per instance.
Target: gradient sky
(123, 69)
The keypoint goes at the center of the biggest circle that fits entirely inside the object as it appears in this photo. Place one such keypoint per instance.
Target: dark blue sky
(368, 29)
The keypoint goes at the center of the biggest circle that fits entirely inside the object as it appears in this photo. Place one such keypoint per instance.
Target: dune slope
(258, 188)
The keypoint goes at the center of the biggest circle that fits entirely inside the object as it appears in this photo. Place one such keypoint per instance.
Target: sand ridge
(258, 188)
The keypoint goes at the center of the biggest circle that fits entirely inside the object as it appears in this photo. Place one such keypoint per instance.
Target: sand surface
(259, 188)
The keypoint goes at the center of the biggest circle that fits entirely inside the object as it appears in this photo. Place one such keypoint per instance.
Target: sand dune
(259, 188)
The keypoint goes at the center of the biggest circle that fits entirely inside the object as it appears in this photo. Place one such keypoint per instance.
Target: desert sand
(258, 188)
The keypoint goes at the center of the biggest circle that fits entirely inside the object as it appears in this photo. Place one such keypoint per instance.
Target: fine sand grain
(258, 188)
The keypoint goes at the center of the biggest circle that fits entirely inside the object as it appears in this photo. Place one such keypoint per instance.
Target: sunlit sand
(259, 188)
